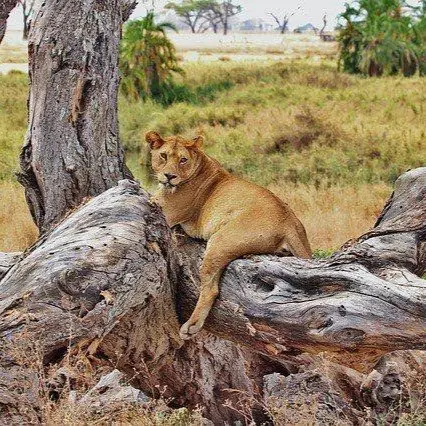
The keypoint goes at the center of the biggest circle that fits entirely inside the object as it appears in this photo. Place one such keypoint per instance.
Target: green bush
(147, 59)
(377, 38)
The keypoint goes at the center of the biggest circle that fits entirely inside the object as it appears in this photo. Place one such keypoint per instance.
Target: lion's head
(174, 159)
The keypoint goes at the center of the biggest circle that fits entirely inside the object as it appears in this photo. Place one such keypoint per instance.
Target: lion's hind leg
(297, 242)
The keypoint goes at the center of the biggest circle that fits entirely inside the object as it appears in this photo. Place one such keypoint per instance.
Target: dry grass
(331, 216)
(13, 54)
(330, 143)
(334, 215)
(64, 394)
(17, 230)
(155, 413)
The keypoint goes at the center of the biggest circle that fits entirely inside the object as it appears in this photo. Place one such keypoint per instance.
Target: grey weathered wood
(72, 149)
(327, 393)
(395, 386)
(6, 7)
(104, 279)
(319, 395)
(7, 260)
(112, 389)
(107, 277)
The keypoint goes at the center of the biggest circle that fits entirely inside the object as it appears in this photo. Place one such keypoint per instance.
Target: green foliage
(284, 123)
(182, 93)
(322, 253)
(380, 37)
(148, 59)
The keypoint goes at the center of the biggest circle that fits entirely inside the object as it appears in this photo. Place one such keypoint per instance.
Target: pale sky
(311, 11)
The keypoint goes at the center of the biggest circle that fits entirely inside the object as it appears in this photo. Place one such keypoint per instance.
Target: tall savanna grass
(330, 144)
(17, 230)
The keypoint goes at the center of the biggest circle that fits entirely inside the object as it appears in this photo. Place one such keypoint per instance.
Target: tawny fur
(234, 216)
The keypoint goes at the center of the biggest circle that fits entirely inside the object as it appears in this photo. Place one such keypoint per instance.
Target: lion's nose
(169, 176)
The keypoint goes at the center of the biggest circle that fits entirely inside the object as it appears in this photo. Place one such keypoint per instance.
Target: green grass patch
(322, 253)
(275, 122)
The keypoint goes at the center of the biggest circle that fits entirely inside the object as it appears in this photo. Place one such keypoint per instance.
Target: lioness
(236, 217)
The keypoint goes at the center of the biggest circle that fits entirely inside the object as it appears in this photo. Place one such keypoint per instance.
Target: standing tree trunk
(27, 10)
(6, 7)
(72, 149)
(284, 26)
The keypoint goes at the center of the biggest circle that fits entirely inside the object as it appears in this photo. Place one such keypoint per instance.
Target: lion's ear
(154, 140)
(197, 142)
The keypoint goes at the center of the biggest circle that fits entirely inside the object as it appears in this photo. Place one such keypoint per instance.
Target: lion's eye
(183, 160)
(163, 155)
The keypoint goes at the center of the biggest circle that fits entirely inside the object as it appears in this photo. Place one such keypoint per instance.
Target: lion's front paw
(189, 329)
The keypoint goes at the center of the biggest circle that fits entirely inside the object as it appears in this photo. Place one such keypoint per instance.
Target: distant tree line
(376, 37)
(201, 15)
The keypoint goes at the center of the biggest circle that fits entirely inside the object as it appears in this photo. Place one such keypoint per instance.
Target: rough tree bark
(72, 149)
(7, 260)
(27, 10)
(106, 278)
(6, 7)
(112, 290)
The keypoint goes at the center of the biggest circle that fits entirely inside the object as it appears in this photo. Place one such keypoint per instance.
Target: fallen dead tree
(365, 301)
(108, 276)
(104, 279)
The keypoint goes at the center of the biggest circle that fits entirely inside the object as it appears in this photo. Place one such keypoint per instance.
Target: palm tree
(377, 38)
(148, 58)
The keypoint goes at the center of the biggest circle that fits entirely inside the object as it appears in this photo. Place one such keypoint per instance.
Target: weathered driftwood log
(106, 279)
(363, 302)
(6, 7)
(72, 148)
(7, 260)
